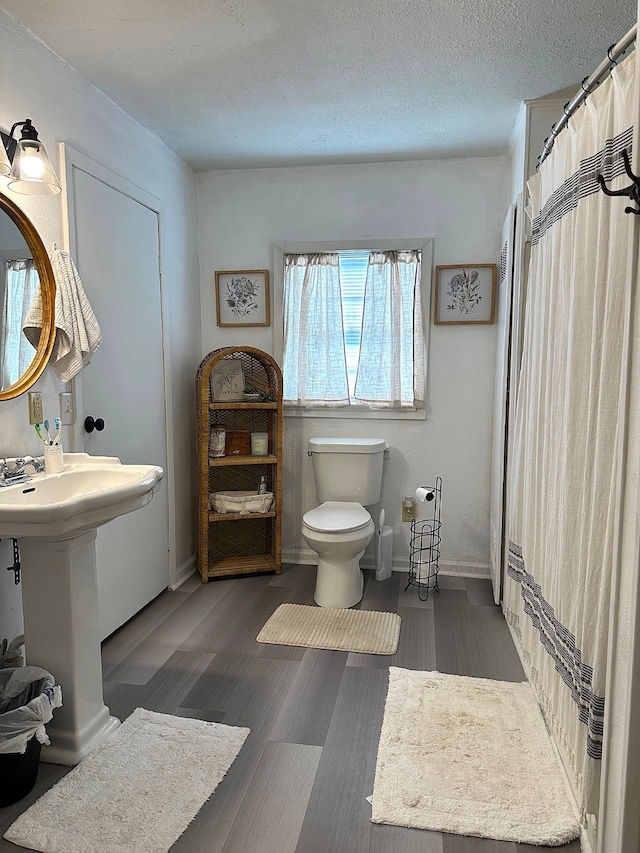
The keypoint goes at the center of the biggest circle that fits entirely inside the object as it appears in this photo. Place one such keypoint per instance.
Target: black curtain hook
(611, 59)
(632, 191)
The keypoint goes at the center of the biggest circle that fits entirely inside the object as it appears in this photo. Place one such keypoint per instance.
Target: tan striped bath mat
(370, 631)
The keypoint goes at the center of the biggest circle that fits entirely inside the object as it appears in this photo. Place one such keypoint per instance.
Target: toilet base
(339, 584)
(339, 581)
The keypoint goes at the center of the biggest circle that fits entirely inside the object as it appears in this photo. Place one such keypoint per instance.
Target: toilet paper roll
(421, 571)
(423, 493)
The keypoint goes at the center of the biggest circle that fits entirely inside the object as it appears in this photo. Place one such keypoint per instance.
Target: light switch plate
(67, 414)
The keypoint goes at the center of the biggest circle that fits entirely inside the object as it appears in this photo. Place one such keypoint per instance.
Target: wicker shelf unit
(239, 543)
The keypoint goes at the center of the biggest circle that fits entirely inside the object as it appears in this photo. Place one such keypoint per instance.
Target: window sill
(354, 412)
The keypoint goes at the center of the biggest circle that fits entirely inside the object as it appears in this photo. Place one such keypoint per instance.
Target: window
(21, 285)
(353, 275)
(353, 335)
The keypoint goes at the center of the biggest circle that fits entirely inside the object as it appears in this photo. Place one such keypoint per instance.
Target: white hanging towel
(78, 334)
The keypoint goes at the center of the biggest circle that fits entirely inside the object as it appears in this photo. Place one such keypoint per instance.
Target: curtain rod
(587, 86)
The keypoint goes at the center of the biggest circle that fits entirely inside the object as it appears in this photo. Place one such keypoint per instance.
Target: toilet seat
(337, 517)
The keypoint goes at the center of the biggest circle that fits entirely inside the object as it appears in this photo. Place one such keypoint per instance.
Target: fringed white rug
(371, 631)
(137, 792)
(469, 756)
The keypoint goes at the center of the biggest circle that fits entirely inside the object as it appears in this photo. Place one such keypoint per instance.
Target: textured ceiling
(247, 83)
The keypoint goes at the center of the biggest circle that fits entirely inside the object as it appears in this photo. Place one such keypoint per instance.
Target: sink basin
(89, 492)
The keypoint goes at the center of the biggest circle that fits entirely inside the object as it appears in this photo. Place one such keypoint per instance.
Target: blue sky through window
(353, 275)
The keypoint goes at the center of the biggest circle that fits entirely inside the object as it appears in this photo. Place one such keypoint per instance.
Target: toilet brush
(383, 549)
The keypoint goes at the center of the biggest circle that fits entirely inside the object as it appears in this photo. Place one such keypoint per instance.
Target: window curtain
(563, 489)
(21, 286)
(313, 336)
(391, 367)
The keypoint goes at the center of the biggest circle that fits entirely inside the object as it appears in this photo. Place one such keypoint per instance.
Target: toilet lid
(336, 517)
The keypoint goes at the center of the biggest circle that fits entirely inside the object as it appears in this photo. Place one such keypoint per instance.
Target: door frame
(71, 159)
(500, 440)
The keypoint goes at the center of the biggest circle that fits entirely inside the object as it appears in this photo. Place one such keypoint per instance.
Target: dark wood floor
(300, 782)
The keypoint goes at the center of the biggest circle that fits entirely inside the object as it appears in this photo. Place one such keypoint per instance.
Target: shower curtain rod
(587, 86)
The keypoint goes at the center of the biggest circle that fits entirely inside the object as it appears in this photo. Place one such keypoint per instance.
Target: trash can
(28, 696)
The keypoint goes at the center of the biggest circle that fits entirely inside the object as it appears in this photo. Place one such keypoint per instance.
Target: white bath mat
(469, 756)
(137, 792)
(371, 631)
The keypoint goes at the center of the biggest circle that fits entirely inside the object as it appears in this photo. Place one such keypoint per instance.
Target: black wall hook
(632, 191)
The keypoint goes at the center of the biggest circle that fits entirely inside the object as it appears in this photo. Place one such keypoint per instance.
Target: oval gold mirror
(26, 278)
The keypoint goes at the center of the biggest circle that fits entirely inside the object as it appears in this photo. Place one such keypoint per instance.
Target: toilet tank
(348, 469)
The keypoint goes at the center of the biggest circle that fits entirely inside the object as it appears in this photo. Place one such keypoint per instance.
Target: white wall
(461, 203)
(34, 83)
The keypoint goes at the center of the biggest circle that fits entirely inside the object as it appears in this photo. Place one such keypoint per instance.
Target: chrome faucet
(15, 470)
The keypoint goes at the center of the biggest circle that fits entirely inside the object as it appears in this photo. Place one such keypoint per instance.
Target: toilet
(348, 477)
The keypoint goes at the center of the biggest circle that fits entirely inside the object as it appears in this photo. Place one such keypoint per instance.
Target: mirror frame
(48, 290)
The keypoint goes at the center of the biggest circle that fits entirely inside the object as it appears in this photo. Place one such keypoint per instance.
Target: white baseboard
(465, 570)
(454, 568)
(307, 557)
(300, 556)
(183, 573)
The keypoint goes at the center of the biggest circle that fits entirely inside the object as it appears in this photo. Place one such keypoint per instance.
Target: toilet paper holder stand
(424, 542)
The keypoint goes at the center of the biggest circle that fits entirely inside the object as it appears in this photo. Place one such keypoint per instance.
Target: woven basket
(242, 502)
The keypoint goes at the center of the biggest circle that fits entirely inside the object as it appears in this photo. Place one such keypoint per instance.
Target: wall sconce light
(26, 163)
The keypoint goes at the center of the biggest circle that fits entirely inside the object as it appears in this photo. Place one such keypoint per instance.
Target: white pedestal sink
(55, 516)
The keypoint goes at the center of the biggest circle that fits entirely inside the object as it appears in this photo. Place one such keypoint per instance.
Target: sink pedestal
(61, 627)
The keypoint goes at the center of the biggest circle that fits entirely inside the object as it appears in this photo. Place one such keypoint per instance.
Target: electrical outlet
(408, 510)
(36, 415)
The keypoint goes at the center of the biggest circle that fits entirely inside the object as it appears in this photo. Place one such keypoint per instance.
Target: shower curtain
(563, 490)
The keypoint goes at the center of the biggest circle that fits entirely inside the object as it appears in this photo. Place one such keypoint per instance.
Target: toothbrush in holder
(39, 431)
(56, 440)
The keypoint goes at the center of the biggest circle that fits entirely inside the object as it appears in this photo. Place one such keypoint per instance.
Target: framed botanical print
(464, 293)
(242, 297)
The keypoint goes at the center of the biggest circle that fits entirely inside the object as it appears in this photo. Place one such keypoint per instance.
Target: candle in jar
(259, 444)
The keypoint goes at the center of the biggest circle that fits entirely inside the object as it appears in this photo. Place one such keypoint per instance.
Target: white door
(500, 406)
(114, 240)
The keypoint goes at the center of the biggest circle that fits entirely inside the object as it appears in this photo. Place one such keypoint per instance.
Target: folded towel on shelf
(78, 334)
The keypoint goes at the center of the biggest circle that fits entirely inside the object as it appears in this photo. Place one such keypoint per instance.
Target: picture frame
(242, 297)
(227, 381)
(464, 293)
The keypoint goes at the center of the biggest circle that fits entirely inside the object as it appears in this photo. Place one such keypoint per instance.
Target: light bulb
(32, 166)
